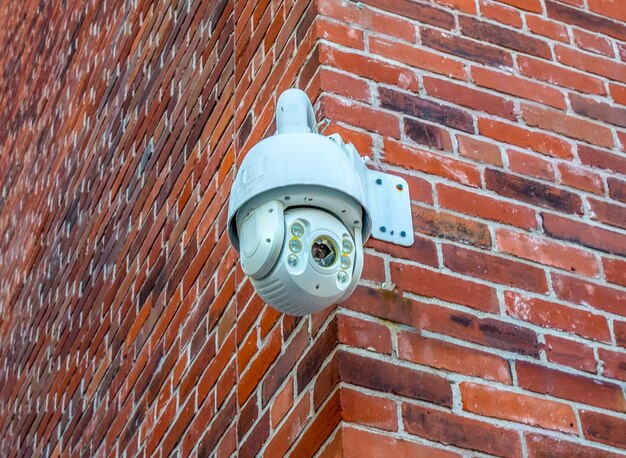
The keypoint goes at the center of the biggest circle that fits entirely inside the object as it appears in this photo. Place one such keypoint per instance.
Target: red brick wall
(125, 323)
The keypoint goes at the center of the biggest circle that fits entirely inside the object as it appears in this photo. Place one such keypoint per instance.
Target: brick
(582, 292)
(283, 438)
(364, 409)
(369, 67)
(524, 138)
(389, 378)
(483, 331)
(423, 250)
(478, 150)
(598, 110)
(316, 355)
(547, 28)
(546, 252)
(470, 203)
(618, 93)
(532, 192)
(367, 19)
(615, 270)
(468, 97)
(620, 333)
(585, 390)
(362, 116)
(569, 126)
(556, 316)
(543, 446)
(598, 158)
(570, 353)
(608, 213)
(581, 178)
(428, 135)
(423, 12)
(561, 76)
(338, 33)
(468, 49)
(453, 358)
(416, 57)
(494, 268)
(364, 334)
(449, 429)
(590, 236)
(344, 85)
(430, 283)
(319, 429)
(384, 304)
(433, 164)
(594, 43)
(484, 31)
(251, 377)
(421, 108)
(445, 225)
(613, 363)
(467, 6)
(591, 64)
(530, 165)
(500, 13)
(492, 402)
(585, 20)
(282, 404)
(607, 8)
(602, 428)
(357, 440)
(533, 6)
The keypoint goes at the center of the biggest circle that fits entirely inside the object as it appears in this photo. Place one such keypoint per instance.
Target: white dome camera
(301, 207)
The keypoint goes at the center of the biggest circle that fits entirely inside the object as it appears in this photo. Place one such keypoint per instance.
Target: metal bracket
(390, 208)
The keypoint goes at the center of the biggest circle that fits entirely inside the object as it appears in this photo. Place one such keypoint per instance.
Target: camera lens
(324, 252)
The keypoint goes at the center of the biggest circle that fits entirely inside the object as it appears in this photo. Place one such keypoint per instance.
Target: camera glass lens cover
(324, 251)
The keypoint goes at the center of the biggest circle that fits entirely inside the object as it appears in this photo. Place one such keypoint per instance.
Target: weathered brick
(532, 192)
(547, 252)
(569, 126)
(468, 49)
(567, 352)
(444, 427)
(598, 110)
(454, 358)
(389, 378)
(543, 446)
(451, 227)
(418, 107)
(577, 388)
(494, 268)
(591, 236)
(470, 203)
(501, 36)
(585, 20)
(524, 137)
(615, 270)
(435, 284)
(604, 428)
(492, 402)
(583, 292)
(556, 316)
(560, 76)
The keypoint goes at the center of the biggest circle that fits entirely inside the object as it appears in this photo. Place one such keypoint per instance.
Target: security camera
(301, 207)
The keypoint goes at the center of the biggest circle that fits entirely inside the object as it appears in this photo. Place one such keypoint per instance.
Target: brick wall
(126, 325)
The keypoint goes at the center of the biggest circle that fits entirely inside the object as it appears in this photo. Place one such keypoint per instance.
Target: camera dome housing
(298, 175)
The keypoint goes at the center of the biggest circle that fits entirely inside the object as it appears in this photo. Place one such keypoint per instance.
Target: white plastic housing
(298, 170)
(306, 287)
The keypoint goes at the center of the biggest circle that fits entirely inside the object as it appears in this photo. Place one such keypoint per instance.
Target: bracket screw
(399, 187)
(383, 229)
(402, 234)
(379, 181)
